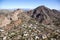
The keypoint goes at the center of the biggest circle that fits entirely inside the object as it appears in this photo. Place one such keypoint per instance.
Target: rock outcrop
(4, 21)
(11, 19)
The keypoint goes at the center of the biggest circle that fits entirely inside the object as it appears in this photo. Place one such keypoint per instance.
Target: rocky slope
(36, 24)
(45, 15)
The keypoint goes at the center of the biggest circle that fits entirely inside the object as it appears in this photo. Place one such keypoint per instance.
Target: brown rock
(44, 15)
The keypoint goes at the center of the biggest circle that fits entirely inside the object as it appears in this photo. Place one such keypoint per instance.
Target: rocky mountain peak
(42, 8)
(44, 14)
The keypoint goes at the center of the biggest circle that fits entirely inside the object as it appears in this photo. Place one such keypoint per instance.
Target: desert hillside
(41, 23)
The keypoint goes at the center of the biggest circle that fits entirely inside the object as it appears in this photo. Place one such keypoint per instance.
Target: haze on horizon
(29, 4)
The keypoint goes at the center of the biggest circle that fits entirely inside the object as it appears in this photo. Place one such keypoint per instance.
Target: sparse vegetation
(28, 28)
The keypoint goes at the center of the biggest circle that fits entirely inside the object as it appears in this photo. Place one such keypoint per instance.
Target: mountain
(45, 15)
(40, 23)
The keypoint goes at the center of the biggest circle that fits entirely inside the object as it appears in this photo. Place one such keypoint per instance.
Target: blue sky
(31, 4)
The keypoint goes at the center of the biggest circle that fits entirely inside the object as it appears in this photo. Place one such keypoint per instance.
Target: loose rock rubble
(29, 31)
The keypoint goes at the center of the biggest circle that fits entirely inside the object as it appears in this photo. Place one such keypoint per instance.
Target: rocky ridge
(37, 24)
(45, 15)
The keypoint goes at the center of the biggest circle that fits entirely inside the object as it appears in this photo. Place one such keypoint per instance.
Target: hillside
(46, 15)
(40, 23)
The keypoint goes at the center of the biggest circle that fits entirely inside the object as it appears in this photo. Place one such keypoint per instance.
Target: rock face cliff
(7, 18)
(45, 15)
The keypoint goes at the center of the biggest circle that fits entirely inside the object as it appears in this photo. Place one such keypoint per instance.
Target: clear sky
(31, 4)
